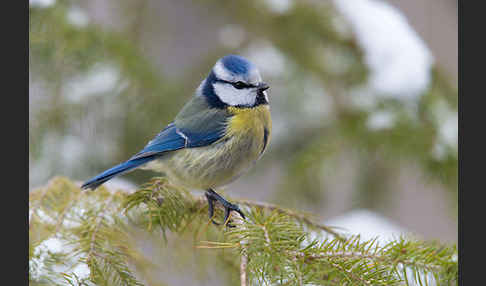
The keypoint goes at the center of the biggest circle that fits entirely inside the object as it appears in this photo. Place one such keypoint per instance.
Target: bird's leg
(212, 196)
(211, 200)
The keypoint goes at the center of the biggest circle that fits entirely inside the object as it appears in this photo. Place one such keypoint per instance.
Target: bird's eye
(239, 85)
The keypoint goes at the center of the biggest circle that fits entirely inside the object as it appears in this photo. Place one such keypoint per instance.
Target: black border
(460, 145)
(471, 115)
(14, 27)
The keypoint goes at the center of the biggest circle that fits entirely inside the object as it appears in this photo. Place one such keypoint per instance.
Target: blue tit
(218, 135)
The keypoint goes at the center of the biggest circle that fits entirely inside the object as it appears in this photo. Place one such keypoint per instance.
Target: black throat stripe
(265, 139)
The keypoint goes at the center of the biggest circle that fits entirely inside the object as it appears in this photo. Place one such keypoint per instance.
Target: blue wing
(170, 139)
(174, 138)
(119, 169)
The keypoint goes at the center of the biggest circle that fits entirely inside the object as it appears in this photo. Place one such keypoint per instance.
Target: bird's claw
(228, 207)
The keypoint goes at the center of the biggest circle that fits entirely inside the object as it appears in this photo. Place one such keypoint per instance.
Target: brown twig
(243, 265)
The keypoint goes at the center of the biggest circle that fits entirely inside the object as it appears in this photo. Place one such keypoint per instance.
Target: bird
(217, 136)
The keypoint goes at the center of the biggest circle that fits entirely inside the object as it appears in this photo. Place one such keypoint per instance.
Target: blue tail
(119, 169)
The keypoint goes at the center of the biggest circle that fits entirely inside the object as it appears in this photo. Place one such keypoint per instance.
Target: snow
(81, 270)
(269, 60)
(77, 17)
(53, 244)
(398, 59)
(446, 120)
(72, 151)
(101, 78)
(42, 3)
(119, 183)
(380, 120)
(448, 130)
(368, 224)
(279, 6)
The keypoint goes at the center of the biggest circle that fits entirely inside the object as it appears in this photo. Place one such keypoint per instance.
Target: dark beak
(263, 86)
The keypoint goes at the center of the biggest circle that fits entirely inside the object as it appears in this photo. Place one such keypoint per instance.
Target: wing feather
(190, 129)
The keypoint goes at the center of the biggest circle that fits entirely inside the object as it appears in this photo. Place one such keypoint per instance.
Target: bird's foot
(212, 196)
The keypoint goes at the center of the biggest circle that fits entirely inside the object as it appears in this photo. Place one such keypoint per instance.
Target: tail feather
(119, 169)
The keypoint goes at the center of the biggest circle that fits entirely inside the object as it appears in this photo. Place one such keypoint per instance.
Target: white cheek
(266, 95)
(232, 96)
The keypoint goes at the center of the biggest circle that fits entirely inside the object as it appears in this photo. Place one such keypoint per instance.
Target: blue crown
(236, 64)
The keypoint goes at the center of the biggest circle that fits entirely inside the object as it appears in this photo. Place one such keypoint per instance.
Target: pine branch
(298, 216)
(33, 210)
(272, 246)
(94, 233)
(201, 201)
(107, 263)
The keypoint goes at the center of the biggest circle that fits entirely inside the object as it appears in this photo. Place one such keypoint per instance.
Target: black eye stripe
(238, 84)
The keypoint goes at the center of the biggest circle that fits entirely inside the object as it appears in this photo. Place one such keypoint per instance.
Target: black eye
(239, 85)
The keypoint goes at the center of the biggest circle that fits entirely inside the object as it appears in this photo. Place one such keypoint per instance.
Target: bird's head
(234, 81)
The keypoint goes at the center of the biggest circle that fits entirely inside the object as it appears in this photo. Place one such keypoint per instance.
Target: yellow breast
(253, 122)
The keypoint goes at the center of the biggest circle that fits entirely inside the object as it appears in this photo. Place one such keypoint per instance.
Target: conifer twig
(350, 274)
(38, 205)
(291, 213)
(97, 224)
(61, 217)
(271, 207)
(353, 255)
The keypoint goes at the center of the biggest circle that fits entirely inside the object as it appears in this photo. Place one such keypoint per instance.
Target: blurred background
(363, 98)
